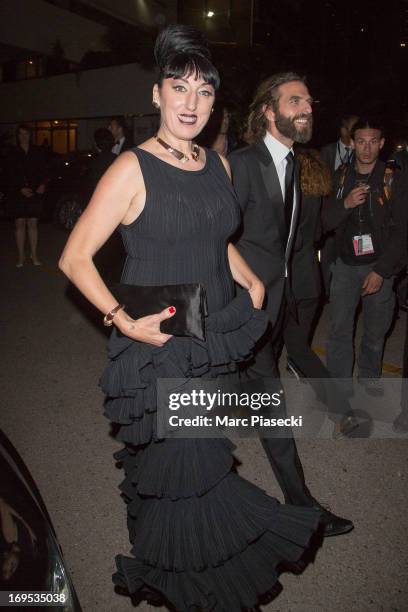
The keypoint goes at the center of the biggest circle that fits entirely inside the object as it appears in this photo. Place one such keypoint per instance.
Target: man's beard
(287, 127)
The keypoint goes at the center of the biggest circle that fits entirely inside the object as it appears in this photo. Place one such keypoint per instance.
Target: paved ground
(53, 352)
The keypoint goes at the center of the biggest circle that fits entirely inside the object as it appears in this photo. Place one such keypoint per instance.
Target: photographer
(367, 211)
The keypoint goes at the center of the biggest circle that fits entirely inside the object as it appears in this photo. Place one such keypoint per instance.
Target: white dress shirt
(116, 149)
(279, 153)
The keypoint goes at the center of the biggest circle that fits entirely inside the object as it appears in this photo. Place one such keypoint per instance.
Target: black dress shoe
(343, 429)
(332, 525)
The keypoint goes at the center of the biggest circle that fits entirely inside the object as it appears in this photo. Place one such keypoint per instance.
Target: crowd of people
(243, 218)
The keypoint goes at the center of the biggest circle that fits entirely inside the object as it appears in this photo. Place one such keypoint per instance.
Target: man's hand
(372, 283)
(356, 197)
(41, 189)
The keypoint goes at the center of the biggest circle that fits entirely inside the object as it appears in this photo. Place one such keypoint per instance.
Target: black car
(30, 556)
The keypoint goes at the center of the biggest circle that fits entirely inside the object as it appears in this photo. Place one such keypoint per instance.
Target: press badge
(363, 244)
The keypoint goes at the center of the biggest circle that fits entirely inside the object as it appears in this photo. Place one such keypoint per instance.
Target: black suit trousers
(296, 335)
(281, 452)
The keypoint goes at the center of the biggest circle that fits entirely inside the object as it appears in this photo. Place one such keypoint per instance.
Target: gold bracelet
(108, 318)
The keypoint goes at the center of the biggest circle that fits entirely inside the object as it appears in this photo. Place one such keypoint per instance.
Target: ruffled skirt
(202, 537)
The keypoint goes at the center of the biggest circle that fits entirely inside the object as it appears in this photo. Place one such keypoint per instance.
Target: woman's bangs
(184, 65)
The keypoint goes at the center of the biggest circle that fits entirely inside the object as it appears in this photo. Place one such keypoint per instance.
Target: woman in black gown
(203, 538)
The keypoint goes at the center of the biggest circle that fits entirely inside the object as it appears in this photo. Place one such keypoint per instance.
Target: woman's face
(185, 105)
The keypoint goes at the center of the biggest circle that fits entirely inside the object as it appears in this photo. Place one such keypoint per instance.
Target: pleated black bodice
(182, 233)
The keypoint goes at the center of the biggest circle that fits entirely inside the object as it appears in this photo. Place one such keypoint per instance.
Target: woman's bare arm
(118, 198)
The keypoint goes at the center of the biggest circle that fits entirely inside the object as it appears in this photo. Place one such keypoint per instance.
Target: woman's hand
(146, 329)
(27, 192)
(257, 293)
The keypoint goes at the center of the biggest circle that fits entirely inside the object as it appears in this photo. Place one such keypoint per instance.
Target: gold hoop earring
(212, 110)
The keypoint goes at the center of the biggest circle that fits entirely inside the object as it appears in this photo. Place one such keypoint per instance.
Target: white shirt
(279, 151)
(342, 155)
(116, 149)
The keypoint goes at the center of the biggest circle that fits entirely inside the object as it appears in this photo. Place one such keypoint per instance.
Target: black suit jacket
(127, 145)
(306, 282)
(261, 238)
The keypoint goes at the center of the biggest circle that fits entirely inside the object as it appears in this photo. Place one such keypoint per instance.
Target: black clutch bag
(189, 301)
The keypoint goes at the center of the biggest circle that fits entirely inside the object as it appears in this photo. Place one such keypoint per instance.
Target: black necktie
(289, 190)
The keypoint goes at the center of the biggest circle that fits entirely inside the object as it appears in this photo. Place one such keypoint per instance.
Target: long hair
(315, 175)
(181, 50)
(267, 95)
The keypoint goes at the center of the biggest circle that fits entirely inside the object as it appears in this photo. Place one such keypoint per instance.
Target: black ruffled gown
(202, 536)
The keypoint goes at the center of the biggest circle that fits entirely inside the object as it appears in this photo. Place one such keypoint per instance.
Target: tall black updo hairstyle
(181, 51)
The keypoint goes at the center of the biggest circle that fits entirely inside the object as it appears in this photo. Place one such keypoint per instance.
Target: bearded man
(266, 182)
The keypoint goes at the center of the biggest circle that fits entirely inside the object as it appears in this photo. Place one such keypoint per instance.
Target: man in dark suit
(119, 131)
(266, 182)
(340, 152)
(335, 155)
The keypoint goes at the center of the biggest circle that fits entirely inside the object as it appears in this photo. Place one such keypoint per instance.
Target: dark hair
(181, 50)
(212, 129)
(367, 123)
(26, 128)
(347, 118)
(103, 139)
(121, 121)
(267, 94)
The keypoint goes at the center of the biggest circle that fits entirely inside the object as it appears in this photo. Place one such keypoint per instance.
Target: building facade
(44, 51)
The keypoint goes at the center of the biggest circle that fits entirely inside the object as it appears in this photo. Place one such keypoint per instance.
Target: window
(29, 68)
(60, 135)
